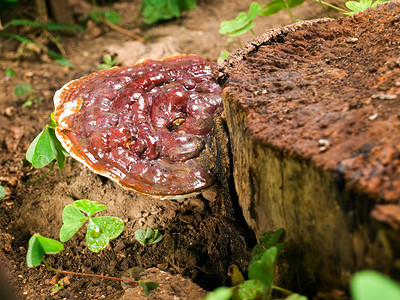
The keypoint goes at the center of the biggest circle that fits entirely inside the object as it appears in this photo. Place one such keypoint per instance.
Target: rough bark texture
(313, 117)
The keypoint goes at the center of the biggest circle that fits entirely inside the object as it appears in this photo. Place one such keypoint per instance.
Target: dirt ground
(198, 243)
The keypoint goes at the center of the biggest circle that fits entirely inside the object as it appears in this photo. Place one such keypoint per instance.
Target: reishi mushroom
(147, 127)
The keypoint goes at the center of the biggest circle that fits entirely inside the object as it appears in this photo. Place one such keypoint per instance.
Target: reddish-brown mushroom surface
(147, 127)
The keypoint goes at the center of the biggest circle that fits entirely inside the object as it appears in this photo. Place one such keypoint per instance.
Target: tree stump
(313, 113)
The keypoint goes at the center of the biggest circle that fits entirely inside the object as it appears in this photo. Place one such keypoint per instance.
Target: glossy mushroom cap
(147, 127)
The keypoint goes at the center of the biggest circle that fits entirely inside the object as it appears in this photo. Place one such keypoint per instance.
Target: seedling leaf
(38, 247)
(109, 62)
(40, 153)
(263, 269)
(111, 16)
(224, 54)
(101, 230)
(267, 240)
(357, 6)
(18, 38)
(72, 221)
(47, 25)
(187, 4)
(235, 275)
(89, 207)
(148, 236)
(10, 72)
(242, 23)
(270, 239)
(276, 5)
(45, 148)
(296, 296)
(61, 60)
(221, 293)
(22, 89)
(148, 286)
(2, 192)
(370, 285)
(252, 289)
(157, 10)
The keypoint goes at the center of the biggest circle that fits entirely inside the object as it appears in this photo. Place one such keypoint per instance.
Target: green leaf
(10, 72)
(60, 26)
(53, 123)
(158, 10)
(40, 153)
(72, 221)
(221, 293)
(270, 239)
(107, 59)
(101, 230)
(276, 5)
(296, 296)
(253, 289)
(224, 54)
(187, 4)
(58, 149)
(148, 236)
(61, 60)
(103, 66)
(111, 16)
(108, 62)
(46, 25)
(45, 148)
(242, 23)
(2, 192)
(22, 89)
(19, 38)
(267, 240)
(148, 286)
(173, 7)
(371, 285)
(89, 207)
(38, 247)
(263, 269)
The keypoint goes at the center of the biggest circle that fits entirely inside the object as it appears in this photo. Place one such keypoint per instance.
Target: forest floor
(204, 244)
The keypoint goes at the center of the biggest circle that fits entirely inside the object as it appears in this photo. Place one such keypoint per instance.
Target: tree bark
(313, 128)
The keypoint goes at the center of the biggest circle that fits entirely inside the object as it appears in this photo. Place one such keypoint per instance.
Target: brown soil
(198, 243)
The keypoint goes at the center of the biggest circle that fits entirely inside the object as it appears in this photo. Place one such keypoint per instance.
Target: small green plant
(244, 22)
(357, 6)
(108, 16)
(23, 89)
(10, 72)
(46, 148)
(57, 286)
(108, 62)
(224, 54)
(38, 247)
(3, 192)
(154, 11)
(371, 285)
(100, 230)
(148, 236)
(260, 281)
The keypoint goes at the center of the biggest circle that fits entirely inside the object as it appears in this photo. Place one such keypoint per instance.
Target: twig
(123, 31)
(86, 274)
(332, 6)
